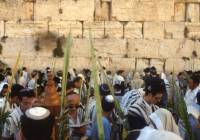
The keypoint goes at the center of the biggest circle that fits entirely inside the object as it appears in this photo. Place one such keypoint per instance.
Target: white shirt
(32, 84)
(190, 96)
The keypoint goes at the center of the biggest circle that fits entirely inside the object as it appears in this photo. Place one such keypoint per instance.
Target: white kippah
(37, 113)
(109, 98)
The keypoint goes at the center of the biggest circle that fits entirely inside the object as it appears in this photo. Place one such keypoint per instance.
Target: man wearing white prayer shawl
(164, 120)
(152, 134)
(137, 82)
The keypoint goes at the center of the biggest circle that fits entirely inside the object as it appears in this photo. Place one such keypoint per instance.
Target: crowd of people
(145, 99)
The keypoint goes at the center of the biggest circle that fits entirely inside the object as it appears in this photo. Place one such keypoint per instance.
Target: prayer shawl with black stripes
(129, 99)
(142, 109)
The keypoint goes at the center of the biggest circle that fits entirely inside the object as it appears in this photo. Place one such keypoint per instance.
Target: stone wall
(128, 34)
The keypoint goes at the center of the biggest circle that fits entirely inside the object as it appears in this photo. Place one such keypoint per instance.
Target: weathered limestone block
(10, 61)
(105, 62)
(80, 48)
(110, 47)
(97, 29)
(197, 48)
(16, 10)
(1, 28)
(142, 64)
(158, 63)
(129, 10)
(25, 28)
(195, 64)
(77, 10)
(46, 10)
(170, 48)
(165, 9)
(27, 46)
(80, 62)
(174, 30)
(133, 30)
(64, 27)
(193, 30)
(193, 12)
(180, 11)
(122, 63)
(102, 10)
(143, 48)
(113, 29)
(14, 45)
(154, 30)
(188, 1)
(177, 64)
(133, 11)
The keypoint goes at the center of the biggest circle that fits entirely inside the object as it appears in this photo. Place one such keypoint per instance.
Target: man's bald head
(73, 98)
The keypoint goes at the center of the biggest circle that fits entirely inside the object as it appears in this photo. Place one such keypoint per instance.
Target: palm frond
(179, 104)
(64, 85)
(96, 91)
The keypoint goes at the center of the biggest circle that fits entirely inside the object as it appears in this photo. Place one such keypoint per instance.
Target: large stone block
(1, 28)
(113, 29)
(158, 63)
(193, 30)
(197, 48)
(122, 63)
(143, 48)
(154, 30)
(170, 48)
(165, 9)
(96, 28)
(129, 10)
(113, 48)
(180, 11)
(77, 10)
(16, 10)
(80, 62)
(25, 28)
(193, 12)
(80, 48)
(64, 27)
(187, 1)
(47, 10)
(174, 30)
(102, 10)
(133, 30)
(141, 64)
(177, 64)
(14, 45)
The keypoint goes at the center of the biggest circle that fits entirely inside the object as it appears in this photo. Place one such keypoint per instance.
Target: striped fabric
(129, 99)
(143, 109)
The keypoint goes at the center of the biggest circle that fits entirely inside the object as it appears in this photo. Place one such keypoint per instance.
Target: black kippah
(104, 90)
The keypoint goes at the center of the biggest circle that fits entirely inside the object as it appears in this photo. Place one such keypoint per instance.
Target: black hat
(37, 123)
(15, 90)
(104, 90)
